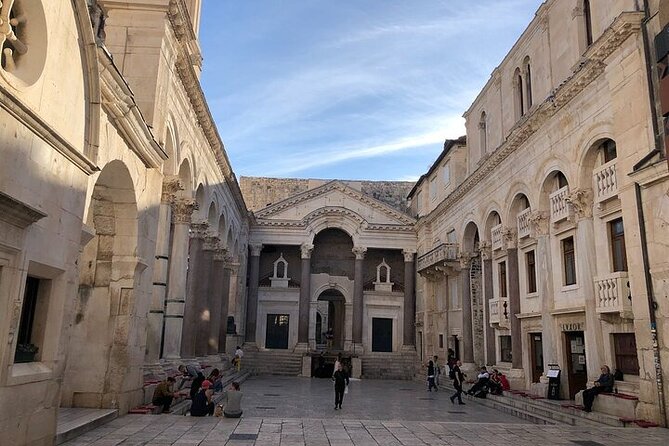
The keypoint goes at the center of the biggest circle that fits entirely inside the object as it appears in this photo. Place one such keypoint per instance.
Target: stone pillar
(228, 269)
(252, 301)
(514, 308)
(465, 292)
(155, 319)
(486, 257)
(195, 289)
(409, 329)
(207, 300)
(217, 294)
(358, 305)
(305, 297)
(539, 230)
(182, 210)
(580, 201)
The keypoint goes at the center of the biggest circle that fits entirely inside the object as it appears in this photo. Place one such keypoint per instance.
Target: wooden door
(536, 356)
(577, 372)
(382, 334)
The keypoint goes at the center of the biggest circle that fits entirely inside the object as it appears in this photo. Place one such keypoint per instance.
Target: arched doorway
(105, 316)
(334, 327)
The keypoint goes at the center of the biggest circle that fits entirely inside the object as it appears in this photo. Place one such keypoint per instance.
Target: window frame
(568, 259)
(531, 271)
(617, 239)
(505, 348)
(502, 279)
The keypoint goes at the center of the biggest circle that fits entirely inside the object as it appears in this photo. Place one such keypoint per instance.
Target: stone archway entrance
(105, 315)
(335, 317)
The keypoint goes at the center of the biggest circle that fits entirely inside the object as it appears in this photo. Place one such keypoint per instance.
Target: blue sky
(349, 89)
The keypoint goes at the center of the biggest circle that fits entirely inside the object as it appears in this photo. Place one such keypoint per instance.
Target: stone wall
(260, 192)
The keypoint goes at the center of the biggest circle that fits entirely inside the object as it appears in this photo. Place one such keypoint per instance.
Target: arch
(212, 216)
(200, 199)
(334, 217)
(230, 242)
(109, 274)
(527, 73)
(483, 133)
(470, 238)
(186, 178)
(553, 181)
(492, 219)
(171, 148)
(514, 204)
(222, 226)
(518, 101)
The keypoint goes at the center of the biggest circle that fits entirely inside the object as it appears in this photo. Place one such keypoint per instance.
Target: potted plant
(25, 353)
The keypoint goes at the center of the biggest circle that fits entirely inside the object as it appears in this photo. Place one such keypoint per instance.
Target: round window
(24, 40)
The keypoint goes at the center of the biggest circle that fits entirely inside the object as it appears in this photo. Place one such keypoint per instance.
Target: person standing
(430, 376)
(458, 379)
(437, 371)
(337, 364)
(340, 379)
(237, 361)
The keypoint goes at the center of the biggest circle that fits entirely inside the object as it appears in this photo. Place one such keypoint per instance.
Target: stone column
(514, 299)
(580, 201)
(305, 297)
(228, 269)
(539, 230)
(195, 289)
(486, 257)
(358, 305)
(155, 319)
(409, 329)
(217, 294)
(182, 210)
(205, 301)
(465, 292)
(252, 301)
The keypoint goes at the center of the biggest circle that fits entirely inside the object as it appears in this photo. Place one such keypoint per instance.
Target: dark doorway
(277, 331)
(382, 334)
(335, 319)
(456, 346)
(319, 328)
(536, 356)
(624, 345)
(577, 372)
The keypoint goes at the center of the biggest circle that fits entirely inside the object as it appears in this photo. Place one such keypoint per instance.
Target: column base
(301, 347)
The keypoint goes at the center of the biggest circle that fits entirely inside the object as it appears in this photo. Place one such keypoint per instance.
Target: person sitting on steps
(603, 384)
(481, 382)
(233, 401)
(164, 394)
(202, 404)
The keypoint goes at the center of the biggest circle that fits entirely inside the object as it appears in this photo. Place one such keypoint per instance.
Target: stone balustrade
(613, 293)
(524, 223)
(605, 181)
(497, 237)
(493, 307)
(559, 205)
(445, 252)
(496, 308)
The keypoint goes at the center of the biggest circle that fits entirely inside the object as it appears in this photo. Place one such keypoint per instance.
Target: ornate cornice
(590, 68)
(339, 186)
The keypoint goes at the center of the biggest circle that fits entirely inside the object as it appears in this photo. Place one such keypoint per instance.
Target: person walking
(437, 371)
(430, 376)
(340, 379)
(237, 360)
(458, 379)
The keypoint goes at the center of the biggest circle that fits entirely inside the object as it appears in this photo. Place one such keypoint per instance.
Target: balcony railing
(524, 223)
(493, 306)
(496, 310)
(605, 181)
(445, 252)
(613, 293)
(496, 236)
(559, 206)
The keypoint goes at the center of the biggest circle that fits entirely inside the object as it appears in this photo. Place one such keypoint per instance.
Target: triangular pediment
(334, 195)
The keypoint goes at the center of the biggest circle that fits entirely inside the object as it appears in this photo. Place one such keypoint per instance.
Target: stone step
(73, 422)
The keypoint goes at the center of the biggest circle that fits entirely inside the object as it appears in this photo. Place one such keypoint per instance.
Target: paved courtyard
(299, 411)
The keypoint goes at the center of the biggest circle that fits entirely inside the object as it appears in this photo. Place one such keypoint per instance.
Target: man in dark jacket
(458, 379)
(340, 378)
(164, 394)
(604, 384)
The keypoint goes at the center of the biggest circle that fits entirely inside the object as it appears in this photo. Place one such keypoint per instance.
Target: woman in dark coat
(430, 376)
(340, 378)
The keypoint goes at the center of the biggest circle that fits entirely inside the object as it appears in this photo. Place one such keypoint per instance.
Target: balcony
(558, 203)
(605, 182)
(496, 308)
(496, 236)
(524, 223)
(445, 252)
(612, 292)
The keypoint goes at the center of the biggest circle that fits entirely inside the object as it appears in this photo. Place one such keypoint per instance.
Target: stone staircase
(273, 362)
(396, 365)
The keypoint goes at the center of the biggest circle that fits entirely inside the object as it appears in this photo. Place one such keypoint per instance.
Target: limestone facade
(122, 223)
(531, 254)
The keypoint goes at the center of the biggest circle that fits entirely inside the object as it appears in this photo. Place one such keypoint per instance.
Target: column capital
(359, 252)
(230, 264)
(465, 259)
(485, 247)
(211, 243)
(255, 249)
(508, 238)
(408, 255)
(539, 223)
(199, 230)
(580, 202)
(220, 254)
(306, 249)
(171, 185)
(182, 210)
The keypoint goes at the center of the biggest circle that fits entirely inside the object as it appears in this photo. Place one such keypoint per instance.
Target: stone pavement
(298, 411)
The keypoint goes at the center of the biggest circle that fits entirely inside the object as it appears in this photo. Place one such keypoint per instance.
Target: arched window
(518, 93)
(483, 133)
(587, 18)
(528, 82)
(608, 149)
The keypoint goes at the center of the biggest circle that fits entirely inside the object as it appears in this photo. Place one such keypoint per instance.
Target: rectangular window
(569, 261)
(441, 340)
(433, 188)
(617, 240)
(502, 279)
(27, 346)
(531, 272)
(625, 349)
(505, 348)
(447, 174)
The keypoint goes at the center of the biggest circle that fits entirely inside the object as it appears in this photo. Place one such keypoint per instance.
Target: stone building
(533, 248)
(121, 223)
(332, 258)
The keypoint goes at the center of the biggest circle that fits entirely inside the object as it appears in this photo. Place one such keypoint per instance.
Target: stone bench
(617, 404)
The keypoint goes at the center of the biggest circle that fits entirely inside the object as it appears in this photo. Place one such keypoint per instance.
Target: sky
(349, 89)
